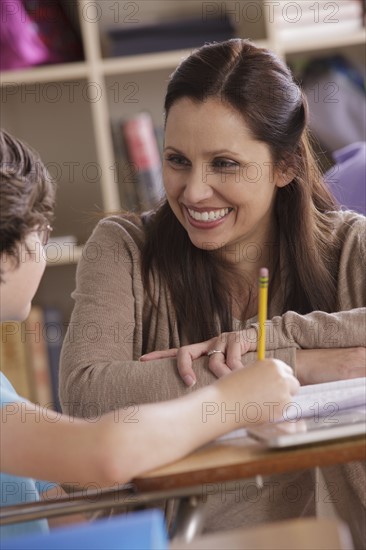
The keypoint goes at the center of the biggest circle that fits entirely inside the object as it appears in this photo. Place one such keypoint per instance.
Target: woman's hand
(224, 353)
(314, 366)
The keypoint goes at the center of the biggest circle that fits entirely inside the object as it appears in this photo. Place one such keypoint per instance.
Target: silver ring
(209, 353)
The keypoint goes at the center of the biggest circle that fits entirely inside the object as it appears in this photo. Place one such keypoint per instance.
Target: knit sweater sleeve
(345, 327)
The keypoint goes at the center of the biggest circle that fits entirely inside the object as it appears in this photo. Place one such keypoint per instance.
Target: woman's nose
(197, 186)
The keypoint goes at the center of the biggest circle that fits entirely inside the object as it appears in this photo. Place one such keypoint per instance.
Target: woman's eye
(177, 160)
(225, 164)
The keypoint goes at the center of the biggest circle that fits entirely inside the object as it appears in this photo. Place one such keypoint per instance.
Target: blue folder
(136, 531)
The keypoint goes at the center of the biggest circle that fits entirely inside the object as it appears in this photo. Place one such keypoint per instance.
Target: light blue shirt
(14, 489)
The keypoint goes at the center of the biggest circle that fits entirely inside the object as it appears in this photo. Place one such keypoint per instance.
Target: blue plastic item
(136, 531)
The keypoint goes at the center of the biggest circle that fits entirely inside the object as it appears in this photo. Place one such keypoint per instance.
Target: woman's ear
(284, 179)
(284, 174)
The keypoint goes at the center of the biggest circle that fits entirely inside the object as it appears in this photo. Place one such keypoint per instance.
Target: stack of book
(30, 354)
(296, 21)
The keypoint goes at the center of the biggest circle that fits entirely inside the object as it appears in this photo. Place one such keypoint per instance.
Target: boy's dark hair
(27, 193)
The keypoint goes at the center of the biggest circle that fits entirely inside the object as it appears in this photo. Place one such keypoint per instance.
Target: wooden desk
(234, 459)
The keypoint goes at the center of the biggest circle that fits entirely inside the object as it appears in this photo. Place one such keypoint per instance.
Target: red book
(143, 152)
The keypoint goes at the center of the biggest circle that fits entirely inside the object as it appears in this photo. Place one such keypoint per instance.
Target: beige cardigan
(114, 323)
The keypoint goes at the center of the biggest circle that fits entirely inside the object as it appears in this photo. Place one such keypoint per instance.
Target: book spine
(13, 359)
(33, 329)
(144, 155)
(123, 174)
(54, 333)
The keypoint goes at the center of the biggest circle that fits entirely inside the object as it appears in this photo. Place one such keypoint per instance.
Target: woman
(243, 191)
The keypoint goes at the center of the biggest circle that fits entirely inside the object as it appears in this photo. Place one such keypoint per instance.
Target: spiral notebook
(319, 412)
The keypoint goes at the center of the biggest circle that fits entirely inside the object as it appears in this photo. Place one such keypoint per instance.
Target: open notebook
(318, 412)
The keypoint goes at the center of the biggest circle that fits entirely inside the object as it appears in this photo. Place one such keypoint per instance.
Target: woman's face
(219, 180)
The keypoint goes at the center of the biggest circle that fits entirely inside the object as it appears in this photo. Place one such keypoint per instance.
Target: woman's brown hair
(27, 193)
(260, 87)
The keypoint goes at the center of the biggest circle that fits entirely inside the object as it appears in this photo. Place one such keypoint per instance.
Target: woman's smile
(206, 218)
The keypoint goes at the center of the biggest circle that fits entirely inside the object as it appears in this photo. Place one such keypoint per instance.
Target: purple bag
(35, 32)
(19, 41)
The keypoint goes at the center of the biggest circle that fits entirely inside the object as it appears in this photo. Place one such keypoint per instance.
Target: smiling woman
(175, 285)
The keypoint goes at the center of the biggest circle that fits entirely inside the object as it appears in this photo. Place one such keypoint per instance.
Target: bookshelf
(65, 110)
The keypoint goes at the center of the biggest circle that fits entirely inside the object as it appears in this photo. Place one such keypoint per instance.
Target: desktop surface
(241, 458)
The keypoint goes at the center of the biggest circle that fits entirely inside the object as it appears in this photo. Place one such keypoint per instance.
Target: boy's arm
(116, 447)
(43, 444)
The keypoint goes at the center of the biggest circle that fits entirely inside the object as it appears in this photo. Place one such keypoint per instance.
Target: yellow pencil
(262, 311)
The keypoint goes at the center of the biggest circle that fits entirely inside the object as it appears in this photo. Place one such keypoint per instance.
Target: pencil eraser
(263, 272)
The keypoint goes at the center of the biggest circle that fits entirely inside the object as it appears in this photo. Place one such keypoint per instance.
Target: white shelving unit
(64, 111)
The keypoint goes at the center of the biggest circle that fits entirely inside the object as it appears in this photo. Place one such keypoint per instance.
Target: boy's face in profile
(20, 282)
